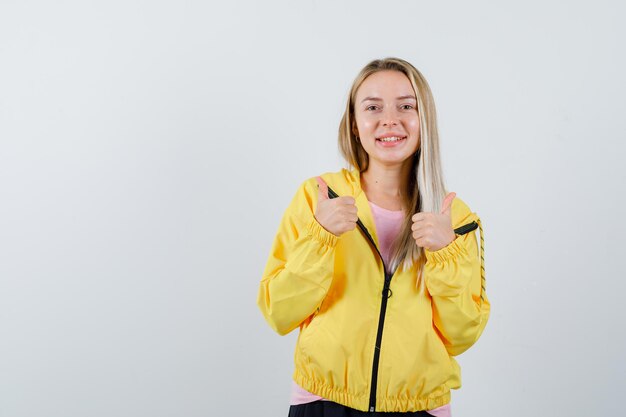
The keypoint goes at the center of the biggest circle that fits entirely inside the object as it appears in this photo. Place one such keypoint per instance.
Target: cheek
(413, 126)
(364, 124)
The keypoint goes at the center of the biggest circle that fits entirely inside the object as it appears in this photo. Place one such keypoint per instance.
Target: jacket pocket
(314, 322)
(310, 336)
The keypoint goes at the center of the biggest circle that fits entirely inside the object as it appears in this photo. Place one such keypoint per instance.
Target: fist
(337, 215)
(433, 231)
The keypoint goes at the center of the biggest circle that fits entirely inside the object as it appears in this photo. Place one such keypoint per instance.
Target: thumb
(323, 188)
(447, 204)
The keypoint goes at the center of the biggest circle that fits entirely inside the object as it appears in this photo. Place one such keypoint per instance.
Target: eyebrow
(380, 99)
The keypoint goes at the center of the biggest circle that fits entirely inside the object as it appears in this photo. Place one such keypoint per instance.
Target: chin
(392, 160)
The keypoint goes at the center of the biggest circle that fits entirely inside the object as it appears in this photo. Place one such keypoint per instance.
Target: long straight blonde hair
(425, 187)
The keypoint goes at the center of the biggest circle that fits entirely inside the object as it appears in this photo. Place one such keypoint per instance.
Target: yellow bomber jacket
(368, 340)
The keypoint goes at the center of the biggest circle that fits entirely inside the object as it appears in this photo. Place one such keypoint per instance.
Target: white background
(149, 148)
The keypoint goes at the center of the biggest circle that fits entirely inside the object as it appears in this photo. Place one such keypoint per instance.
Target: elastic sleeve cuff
(318, 232)
(452, 251)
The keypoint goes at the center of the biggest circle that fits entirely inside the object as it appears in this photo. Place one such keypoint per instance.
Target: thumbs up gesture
(337, 215)
(433, 231)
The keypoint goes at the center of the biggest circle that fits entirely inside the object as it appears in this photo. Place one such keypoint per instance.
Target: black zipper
(386, 294)
(381, 319)
(383, 308)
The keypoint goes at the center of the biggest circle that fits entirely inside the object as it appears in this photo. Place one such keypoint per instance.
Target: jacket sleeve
(300, 267)
(454, 277)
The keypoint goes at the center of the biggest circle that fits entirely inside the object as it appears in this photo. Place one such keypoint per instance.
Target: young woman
(378, 266)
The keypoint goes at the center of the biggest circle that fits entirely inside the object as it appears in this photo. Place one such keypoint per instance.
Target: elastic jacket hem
(438, 398)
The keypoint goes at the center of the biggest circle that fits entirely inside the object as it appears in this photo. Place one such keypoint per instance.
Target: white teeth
(390, 139)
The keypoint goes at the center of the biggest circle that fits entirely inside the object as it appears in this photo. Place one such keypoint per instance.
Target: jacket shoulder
(461, 213)
(304, 202)
(343, 182)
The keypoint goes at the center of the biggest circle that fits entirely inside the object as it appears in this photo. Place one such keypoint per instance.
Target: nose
(389, 118)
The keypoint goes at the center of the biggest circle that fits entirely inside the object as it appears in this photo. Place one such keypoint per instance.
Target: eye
(407, 107)
(371, 107)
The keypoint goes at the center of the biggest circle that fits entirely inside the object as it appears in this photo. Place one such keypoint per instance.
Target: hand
(434, 231)
(337, 215)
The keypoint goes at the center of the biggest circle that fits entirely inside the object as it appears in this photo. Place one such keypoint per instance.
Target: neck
(387, 180)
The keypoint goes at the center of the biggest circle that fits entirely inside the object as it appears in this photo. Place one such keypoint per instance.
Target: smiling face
(385, 112)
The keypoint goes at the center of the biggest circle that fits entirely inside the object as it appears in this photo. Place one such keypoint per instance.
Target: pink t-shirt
(388, 225)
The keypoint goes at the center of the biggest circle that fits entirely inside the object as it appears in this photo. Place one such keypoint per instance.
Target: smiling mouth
(391, 139)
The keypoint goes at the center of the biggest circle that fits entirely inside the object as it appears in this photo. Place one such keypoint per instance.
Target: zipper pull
(386, 290)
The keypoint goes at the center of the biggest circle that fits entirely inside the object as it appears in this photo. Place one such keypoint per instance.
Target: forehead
(385, 84)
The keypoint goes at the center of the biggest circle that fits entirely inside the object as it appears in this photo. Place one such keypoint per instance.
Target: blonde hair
(425, 186)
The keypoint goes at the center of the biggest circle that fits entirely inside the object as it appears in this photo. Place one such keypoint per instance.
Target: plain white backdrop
(149, 148)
